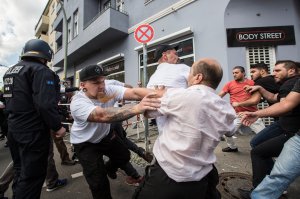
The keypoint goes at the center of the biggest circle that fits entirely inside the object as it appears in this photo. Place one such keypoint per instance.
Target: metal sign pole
(145, 84)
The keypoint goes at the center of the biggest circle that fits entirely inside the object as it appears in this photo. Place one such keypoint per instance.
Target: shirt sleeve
(117, 92)
(297, 87)
(81, 109)
(45, 98)
(226, 88)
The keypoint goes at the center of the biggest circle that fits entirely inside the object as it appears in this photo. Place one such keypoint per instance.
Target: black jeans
(158, 185)
(29, 151)
(117, 126)
(90, 156)
(262, 154)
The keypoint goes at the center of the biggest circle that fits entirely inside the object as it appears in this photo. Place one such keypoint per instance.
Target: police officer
(31, 102)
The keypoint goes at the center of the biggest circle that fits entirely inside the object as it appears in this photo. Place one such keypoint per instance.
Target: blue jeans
(267, 133)
(284, 172)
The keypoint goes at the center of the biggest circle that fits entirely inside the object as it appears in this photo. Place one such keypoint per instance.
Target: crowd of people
(191, 119)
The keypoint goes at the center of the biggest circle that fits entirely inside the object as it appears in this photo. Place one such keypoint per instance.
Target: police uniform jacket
(30, 91)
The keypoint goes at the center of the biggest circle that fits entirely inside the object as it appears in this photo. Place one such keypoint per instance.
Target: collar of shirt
(201, 86)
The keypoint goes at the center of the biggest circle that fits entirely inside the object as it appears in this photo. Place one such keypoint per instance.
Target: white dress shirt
(196, 119)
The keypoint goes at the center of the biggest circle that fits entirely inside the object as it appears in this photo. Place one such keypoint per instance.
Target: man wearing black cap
(93, 111)
(169, 74)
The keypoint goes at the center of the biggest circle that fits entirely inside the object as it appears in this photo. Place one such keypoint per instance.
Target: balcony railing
(103, 11)
(42, 25)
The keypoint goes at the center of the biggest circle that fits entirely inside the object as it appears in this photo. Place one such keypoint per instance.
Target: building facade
(44, 28)
(235, 32)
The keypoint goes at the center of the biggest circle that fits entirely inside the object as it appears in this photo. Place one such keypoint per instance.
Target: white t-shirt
(114, 82)
(196, 119)
(170, 76)
(81, 107)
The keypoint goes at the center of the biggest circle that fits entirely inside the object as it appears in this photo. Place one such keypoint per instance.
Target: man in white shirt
(196, 119)
(92, 110)
(169, 74)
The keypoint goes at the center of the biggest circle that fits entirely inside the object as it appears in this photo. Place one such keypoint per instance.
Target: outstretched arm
(284, 106)
(270, 97)
(112, 114)
(252, 101)
(222, 93)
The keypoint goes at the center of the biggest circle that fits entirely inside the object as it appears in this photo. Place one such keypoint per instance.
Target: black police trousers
(90, 156)
(29, 151)
(159, 185)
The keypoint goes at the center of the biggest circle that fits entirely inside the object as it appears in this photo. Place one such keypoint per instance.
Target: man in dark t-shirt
(285, 72)
(287, 166)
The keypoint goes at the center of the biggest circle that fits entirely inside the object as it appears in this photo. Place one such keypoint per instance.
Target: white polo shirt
(82, 106)
(196, 119)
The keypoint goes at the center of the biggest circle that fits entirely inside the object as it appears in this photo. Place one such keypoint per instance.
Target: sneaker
(245, 193)
(285, 192)
(228, 149)
(134, 182)
(68, 162)
(59, 183)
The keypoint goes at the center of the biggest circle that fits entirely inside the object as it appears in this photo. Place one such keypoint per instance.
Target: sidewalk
(239, 163)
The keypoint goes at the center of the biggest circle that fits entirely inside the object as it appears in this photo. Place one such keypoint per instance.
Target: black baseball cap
(163, 48)
(91, 72)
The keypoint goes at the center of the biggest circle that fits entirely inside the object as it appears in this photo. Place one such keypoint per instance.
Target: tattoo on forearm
(120, 114)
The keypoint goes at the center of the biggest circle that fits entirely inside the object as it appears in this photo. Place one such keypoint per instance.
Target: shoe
(134, 182)
(285, 192)
(222, 138)
(228, 149)
(59, 184)
(68, 162)
(245, 193)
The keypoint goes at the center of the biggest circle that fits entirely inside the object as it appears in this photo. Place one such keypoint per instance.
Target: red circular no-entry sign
(144, 33)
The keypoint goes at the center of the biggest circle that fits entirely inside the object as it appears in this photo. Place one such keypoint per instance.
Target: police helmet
(37, 48)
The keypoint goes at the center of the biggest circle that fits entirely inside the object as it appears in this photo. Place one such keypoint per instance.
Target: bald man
(196, 119)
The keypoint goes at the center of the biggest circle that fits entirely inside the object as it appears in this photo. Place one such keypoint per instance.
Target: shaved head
(211, 71)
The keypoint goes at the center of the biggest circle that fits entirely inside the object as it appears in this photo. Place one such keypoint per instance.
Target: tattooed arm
(112, 114)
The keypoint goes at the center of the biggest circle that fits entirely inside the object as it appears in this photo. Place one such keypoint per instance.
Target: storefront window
(115, 70)
(185, 53)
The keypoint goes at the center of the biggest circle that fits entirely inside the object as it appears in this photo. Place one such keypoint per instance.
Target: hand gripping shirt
(170, 76)
(196, 118)
(82, 106)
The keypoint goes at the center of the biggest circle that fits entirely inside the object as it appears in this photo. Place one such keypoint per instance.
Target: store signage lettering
(280, 35)
(112, 68)
(248, 36)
